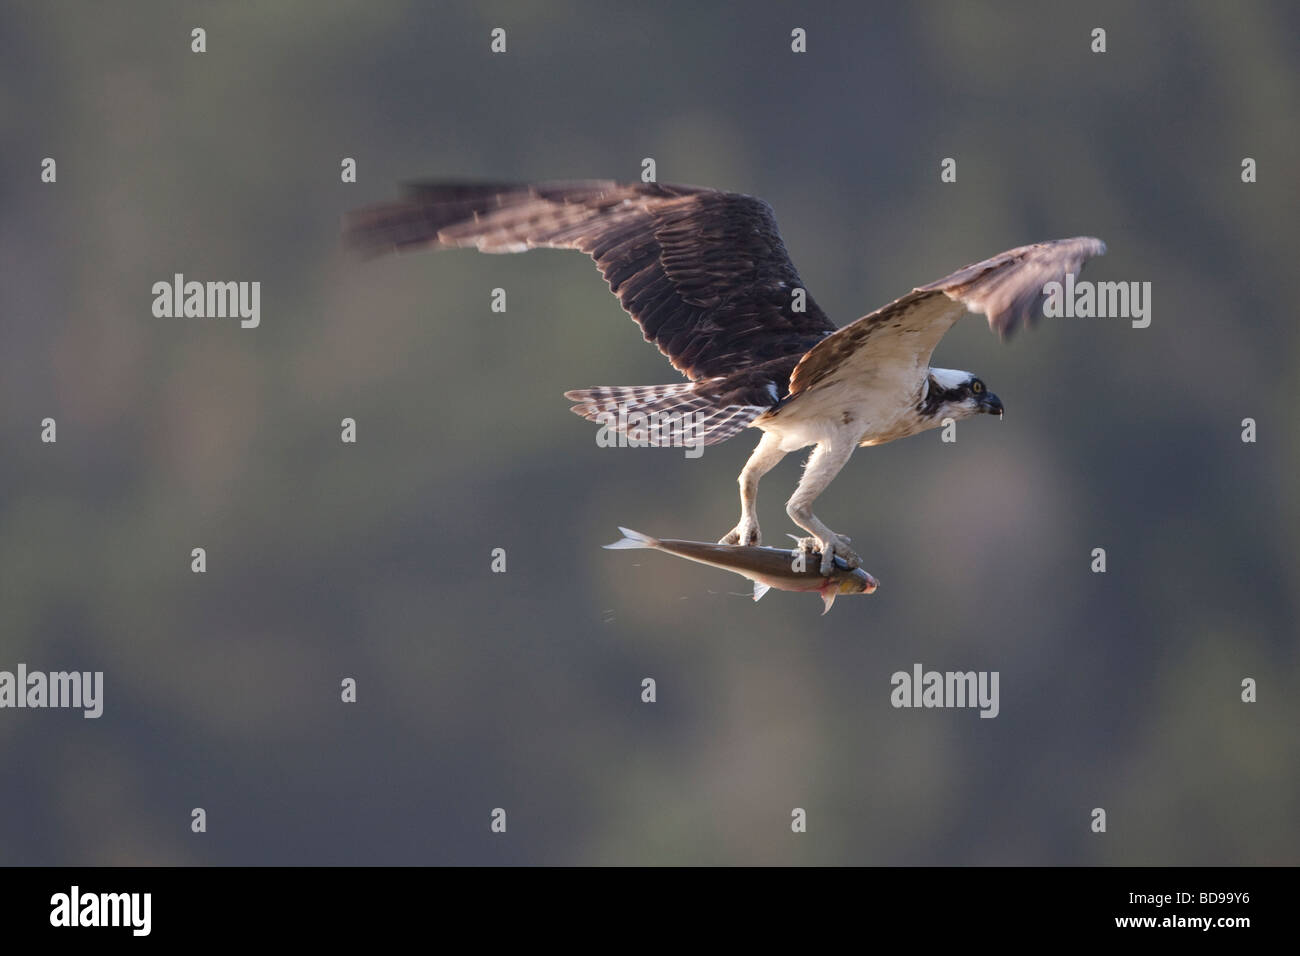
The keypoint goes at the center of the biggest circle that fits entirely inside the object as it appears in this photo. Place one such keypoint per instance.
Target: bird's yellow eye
(977, 386)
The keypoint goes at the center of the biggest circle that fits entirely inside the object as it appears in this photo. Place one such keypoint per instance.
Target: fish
(785, 570)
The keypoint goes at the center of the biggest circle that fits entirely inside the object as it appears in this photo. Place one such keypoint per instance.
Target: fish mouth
(860, 583)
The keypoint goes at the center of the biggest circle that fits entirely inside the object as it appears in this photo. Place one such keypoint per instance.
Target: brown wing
(899, 338)
(704, 272)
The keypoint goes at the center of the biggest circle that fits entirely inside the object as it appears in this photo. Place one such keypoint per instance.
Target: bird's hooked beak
(990, 404)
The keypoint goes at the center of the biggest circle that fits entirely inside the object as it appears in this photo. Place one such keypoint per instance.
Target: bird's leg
(763, 460)
(823, 465)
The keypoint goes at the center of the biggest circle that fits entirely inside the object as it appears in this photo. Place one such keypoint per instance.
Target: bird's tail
(662, 415)
(632, 539)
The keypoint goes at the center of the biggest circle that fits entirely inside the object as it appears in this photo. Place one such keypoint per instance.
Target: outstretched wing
(705, 273)
(900, 337)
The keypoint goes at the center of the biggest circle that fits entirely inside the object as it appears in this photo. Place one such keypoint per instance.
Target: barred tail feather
(662, 415)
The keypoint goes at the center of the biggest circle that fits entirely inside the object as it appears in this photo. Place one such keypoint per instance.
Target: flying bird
(707, 277)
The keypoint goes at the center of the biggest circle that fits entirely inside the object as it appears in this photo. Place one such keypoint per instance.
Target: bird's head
(952, 394)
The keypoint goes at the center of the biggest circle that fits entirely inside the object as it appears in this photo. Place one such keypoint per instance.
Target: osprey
(708, 279)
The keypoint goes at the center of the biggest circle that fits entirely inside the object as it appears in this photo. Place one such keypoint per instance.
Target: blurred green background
(522, 690)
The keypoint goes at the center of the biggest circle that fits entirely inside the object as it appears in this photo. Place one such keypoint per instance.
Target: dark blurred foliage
(521, 690)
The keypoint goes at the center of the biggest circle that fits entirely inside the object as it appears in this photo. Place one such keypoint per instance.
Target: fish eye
(976, 387)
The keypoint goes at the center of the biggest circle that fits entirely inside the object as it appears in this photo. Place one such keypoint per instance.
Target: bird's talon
(742, 534)
(839, 547)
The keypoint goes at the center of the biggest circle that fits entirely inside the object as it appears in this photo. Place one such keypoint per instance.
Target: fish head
(847, 580)
(858, 581)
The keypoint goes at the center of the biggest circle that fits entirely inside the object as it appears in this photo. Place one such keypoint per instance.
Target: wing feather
(704, 272)
(899, 338)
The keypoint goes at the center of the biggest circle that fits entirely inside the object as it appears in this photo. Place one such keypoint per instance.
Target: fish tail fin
(632, 539)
